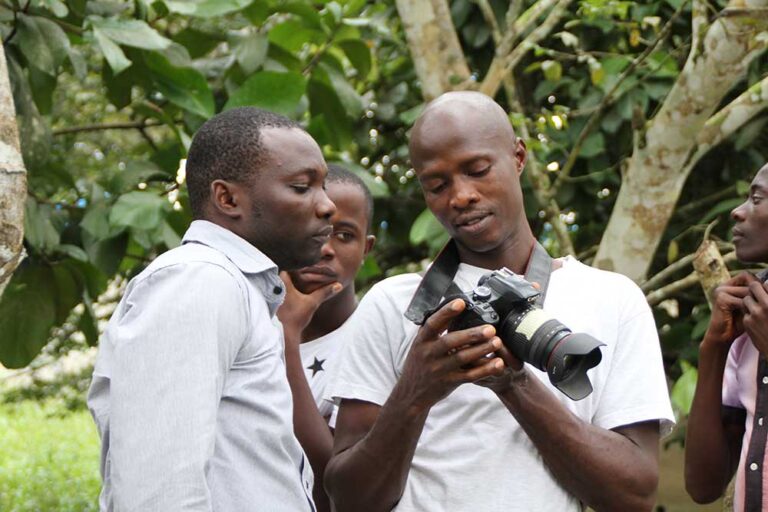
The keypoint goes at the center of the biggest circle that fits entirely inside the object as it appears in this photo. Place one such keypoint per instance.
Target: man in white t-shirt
(412, 435)
(319, 300)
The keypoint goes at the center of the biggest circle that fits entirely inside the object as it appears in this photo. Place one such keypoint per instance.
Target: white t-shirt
(318, 357)
(472, 454)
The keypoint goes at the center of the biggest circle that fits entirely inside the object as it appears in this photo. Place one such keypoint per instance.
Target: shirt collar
(245, 256)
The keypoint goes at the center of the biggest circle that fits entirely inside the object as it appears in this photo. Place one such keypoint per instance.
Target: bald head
(454, 115)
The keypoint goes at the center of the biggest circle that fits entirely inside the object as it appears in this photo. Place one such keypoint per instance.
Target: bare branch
(505, 60)
(131, 125)
(663, 275)
(490, 18)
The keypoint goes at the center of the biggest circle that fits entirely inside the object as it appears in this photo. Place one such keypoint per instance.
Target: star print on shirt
(317, 366)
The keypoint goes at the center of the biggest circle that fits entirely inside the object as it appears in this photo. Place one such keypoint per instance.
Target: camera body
(508, 302)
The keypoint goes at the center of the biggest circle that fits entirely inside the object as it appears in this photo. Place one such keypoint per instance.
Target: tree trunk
(434, 45)
(13, 182)
(658, 167)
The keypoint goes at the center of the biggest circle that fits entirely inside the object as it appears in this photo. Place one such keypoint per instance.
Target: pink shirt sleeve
(731, 385)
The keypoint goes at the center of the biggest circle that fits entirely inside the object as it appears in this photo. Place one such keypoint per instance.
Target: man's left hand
(297, 309)
(514, 371)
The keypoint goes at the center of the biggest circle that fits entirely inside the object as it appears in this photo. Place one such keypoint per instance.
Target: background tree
(644, 120)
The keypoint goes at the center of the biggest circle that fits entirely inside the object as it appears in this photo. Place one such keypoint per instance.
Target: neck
(513, 253)
(331, 314)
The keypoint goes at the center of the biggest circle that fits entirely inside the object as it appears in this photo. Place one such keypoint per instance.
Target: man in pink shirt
(728, 424)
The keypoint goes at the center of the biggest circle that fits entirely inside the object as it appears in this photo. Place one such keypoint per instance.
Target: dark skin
(284, 212)
(319, 299)
(469, 161)
(713, 439)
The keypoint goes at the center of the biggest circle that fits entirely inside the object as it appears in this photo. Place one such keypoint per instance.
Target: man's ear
(521, 154)
(227, 198)
(369, 241)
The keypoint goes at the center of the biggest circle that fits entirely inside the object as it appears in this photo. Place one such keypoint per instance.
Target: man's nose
(464, 194)
(326, 251)
(739, 213)
(325, 208)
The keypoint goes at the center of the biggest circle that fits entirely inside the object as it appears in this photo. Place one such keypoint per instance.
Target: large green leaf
(111, 51)
(135, 33)
(278, 92)
(184, 87)
(324, 102)
(42, 86)
(197, 42)
(206, 8)
(377, 188)
(359, 54)
(42, 42)
(38, 228)
(140, 210)
(27, 313)
(350, 99)
(427, 229)
(251, 52)
(684, 389)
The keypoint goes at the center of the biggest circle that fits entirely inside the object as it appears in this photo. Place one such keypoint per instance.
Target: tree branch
(506, 60)
(662, 275)
(132, 125)
(608, 98)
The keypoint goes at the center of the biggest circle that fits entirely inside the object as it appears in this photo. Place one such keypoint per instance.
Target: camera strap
(438, 281)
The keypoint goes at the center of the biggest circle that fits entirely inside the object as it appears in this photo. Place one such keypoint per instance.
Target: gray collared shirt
(189, 391)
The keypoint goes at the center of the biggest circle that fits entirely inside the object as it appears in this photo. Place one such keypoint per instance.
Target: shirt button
(760, 421)
(753, 466)
(277, 290)
(765, 380)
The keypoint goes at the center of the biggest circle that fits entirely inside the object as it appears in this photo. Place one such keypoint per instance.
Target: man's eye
(436, 189)
(300, 188)
(480, 172)
(344, 236)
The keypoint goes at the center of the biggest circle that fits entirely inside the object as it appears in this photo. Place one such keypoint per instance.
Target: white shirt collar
(245, 256)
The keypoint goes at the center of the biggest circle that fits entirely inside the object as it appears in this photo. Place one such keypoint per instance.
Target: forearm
(707, 454)
(309, 426)
(603, 469)
(371, 474)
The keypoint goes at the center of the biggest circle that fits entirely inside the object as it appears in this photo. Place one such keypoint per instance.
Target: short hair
(338, 174)
(228, 147)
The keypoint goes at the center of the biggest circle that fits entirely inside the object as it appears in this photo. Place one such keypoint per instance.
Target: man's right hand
(439, 361)
(725, 325)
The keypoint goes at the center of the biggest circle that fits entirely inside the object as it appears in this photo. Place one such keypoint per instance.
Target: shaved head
(464, 111)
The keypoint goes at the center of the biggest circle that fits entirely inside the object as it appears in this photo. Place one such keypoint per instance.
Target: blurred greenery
(49, 458)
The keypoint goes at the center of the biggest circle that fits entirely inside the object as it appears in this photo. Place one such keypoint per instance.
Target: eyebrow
(347, 224)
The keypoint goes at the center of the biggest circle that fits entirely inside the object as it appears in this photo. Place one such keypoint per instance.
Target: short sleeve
(636, 386)
(366, 368)
(731, 388)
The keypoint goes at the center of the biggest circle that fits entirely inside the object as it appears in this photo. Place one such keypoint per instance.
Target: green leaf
(197, 42)
(106, 254)
(42, 42)
(27, 313)
(134, 33)
(112, 52)
(96, 222)
(118, 87)
(684, 389)
(206, 8)
(184, 87)
(88, 324)
(136, 172)
(42, 86)
(68, 292)
(553, 70)
(359, 54)
(593, 145)
(140, 210)
(73, 252)
(38, 228)
(252, 51)
(278, 92)
(57, 7)
(302, 9)
(350, 99)
(292, 35)
(426, 228)
(673, 251)
(324, 102)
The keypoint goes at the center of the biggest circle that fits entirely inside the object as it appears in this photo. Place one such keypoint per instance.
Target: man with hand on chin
(728, 424)
(412, 435)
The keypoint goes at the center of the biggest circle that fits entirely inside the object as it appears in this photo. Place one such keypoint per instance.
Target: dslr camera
(508, 302)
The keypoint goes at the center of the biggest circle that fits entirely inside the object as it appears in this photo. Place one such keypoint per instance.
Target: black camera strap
(438, 281)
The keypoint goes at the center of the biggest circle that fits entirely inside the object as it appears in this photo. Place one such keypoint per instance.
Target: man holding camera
(727, 427)
(414, 434)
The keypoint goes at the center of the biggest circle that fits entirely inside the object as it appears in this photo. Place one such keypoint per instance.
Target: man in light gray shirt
(189, 392)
